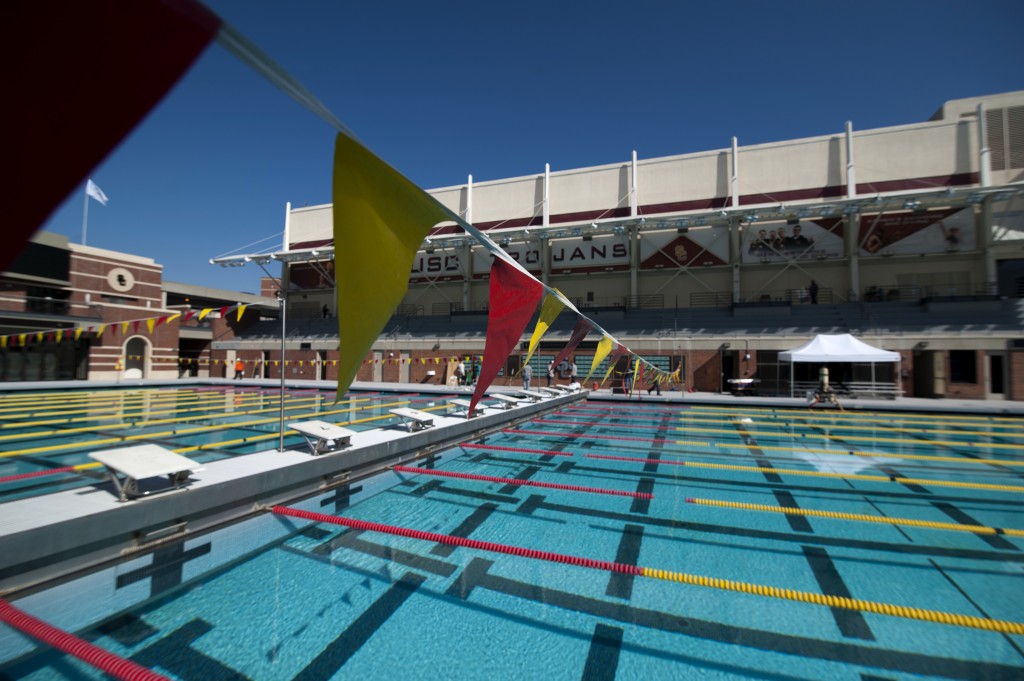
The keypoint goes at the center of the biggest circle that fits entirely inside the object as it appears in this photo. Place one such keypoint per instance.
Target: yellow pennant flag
(124, 327)
(241, 309)
(22, 338)
(39, 337)
(549, 309)
(78, 332)
(149, 324)
(100, 329)
(3, 341)
(205, 312)
(604, 348)
(60, 335)
(380, 220)
(173, 317)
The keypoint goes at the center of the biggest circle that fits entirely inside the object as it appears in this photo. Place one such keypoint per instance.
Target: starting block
(507, 401)
(414, 419)
(323, 437)
(464, 406)
(127, 465)
(533, 395)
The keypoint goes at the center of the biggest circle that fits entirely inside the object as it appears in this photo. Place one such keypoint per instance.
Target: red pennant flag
(160, 320)
(188, 315)
(135, 326)
(583, 327)
(514, 296)
(122, 56)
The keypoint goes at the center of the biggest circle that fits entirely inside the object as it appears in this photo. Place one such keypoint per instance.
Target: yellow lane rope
(836, 515)
(852, 476)
(883, 417)
(124, 406)
(864, 438)
(896, 455)
(758, 425)
(1001, 626)
(82, 395)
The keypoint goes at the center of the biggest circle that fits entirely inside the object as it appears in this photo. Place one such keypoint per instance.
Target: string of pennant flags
(112, 328)
(372, 202)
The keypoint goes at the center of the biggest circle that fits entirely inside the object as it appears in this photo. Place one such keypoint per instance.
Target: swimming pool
(46, 437)
(866, 508)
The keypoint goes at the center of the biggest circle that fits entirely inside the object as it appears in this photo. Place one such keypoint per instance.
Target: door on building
(135, 351)
(728, 369)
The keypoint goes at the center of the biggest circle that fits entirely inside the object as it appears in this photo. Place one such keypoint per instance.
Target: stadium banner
(916, 232)
(792, 239)
(697, 246)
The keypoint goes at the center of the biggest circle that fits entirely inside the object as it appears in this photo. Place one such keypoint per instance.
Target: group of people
(776, 241)
(566, 369)
(464, 376)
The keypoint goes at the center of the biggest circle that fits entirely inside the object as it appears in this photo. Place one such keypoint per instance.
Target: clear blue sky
(445, 89)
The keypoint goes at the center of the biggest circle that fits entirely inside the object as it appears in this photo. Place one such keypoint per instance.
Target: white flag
(95, 192)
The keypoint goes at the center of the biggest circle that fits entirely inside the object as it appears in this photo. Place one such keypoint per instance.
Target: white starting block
(141, 462)
(507, 401)
(323, 437)
(552, 391)
(533, 395)
(464, 406)
(414, 419)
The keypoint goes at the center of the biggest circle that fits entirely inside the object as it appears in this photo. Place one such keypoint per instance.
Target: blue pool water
(283, 598)
(41, 431)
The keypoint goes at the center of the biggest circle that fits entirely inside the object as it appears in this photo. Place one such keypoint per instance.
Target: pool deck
(42, 538)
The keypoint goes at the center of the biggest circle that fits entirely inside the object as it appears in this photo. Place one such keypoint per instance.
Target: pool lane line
(905, 612)
(729, 445)
(514, 481)
(838, 515)
(134, 409)
(192, 431)
(814, 474)
(176, 419)
(107, 404)
(82, 395)
(92, 655)
(518, 450)
(914, 439)
(881, 416)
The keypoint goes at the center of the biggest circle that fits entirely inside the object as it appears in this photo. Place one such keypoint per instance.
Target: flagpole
(85, 216)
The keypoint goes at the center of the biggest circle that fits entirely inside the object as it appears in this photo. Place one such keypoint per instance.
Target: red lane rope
(607, 410)
(513, 481)
(118, 667)
(589, 436)
(51, 471)
(461, 541)
(521, 450)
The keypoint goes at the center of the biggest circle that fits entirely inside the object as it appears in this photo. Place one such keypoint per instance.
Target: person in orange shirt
(239, 369)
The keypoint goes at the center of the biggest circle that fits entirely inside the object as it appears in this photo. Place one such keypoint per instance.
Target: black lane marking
(341, 497)
(993, 540)
(165, 572)
(759, 457)
(641, 504)
(332, 658)
(851, 623)
(603, 658)
(708, 528)
(439, 487)
(350, 539)
(175, 653)
(620, 585)
(524, 474)
(466, 528)
(128, 630)
(313, 532)
(885, 515)
(797, 523)
(476, 575)
(565, 467)
(1009, 639)
(531, 504)
(896, 477)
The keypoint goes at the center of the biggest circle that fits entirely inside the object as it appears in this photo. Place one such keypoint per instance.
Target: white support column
(287, 225)
(851, 175)
(469, 200)
(634, 261)
(467, 270)
(984, 153)
(735, 191)
(545, 259)
(633, 208)
(735, 255)
(546, 220)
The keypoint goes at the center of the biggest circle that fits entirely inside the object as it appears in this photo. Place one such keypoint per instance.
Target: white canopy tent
(842, 347)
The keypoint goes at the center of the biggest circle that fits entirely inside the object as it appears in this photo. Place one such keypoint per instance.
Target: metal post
(546, 218)
(633, 206)
(851, 176)
(283, 308)
(85, 217)
(984, 153)
(735, 173)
